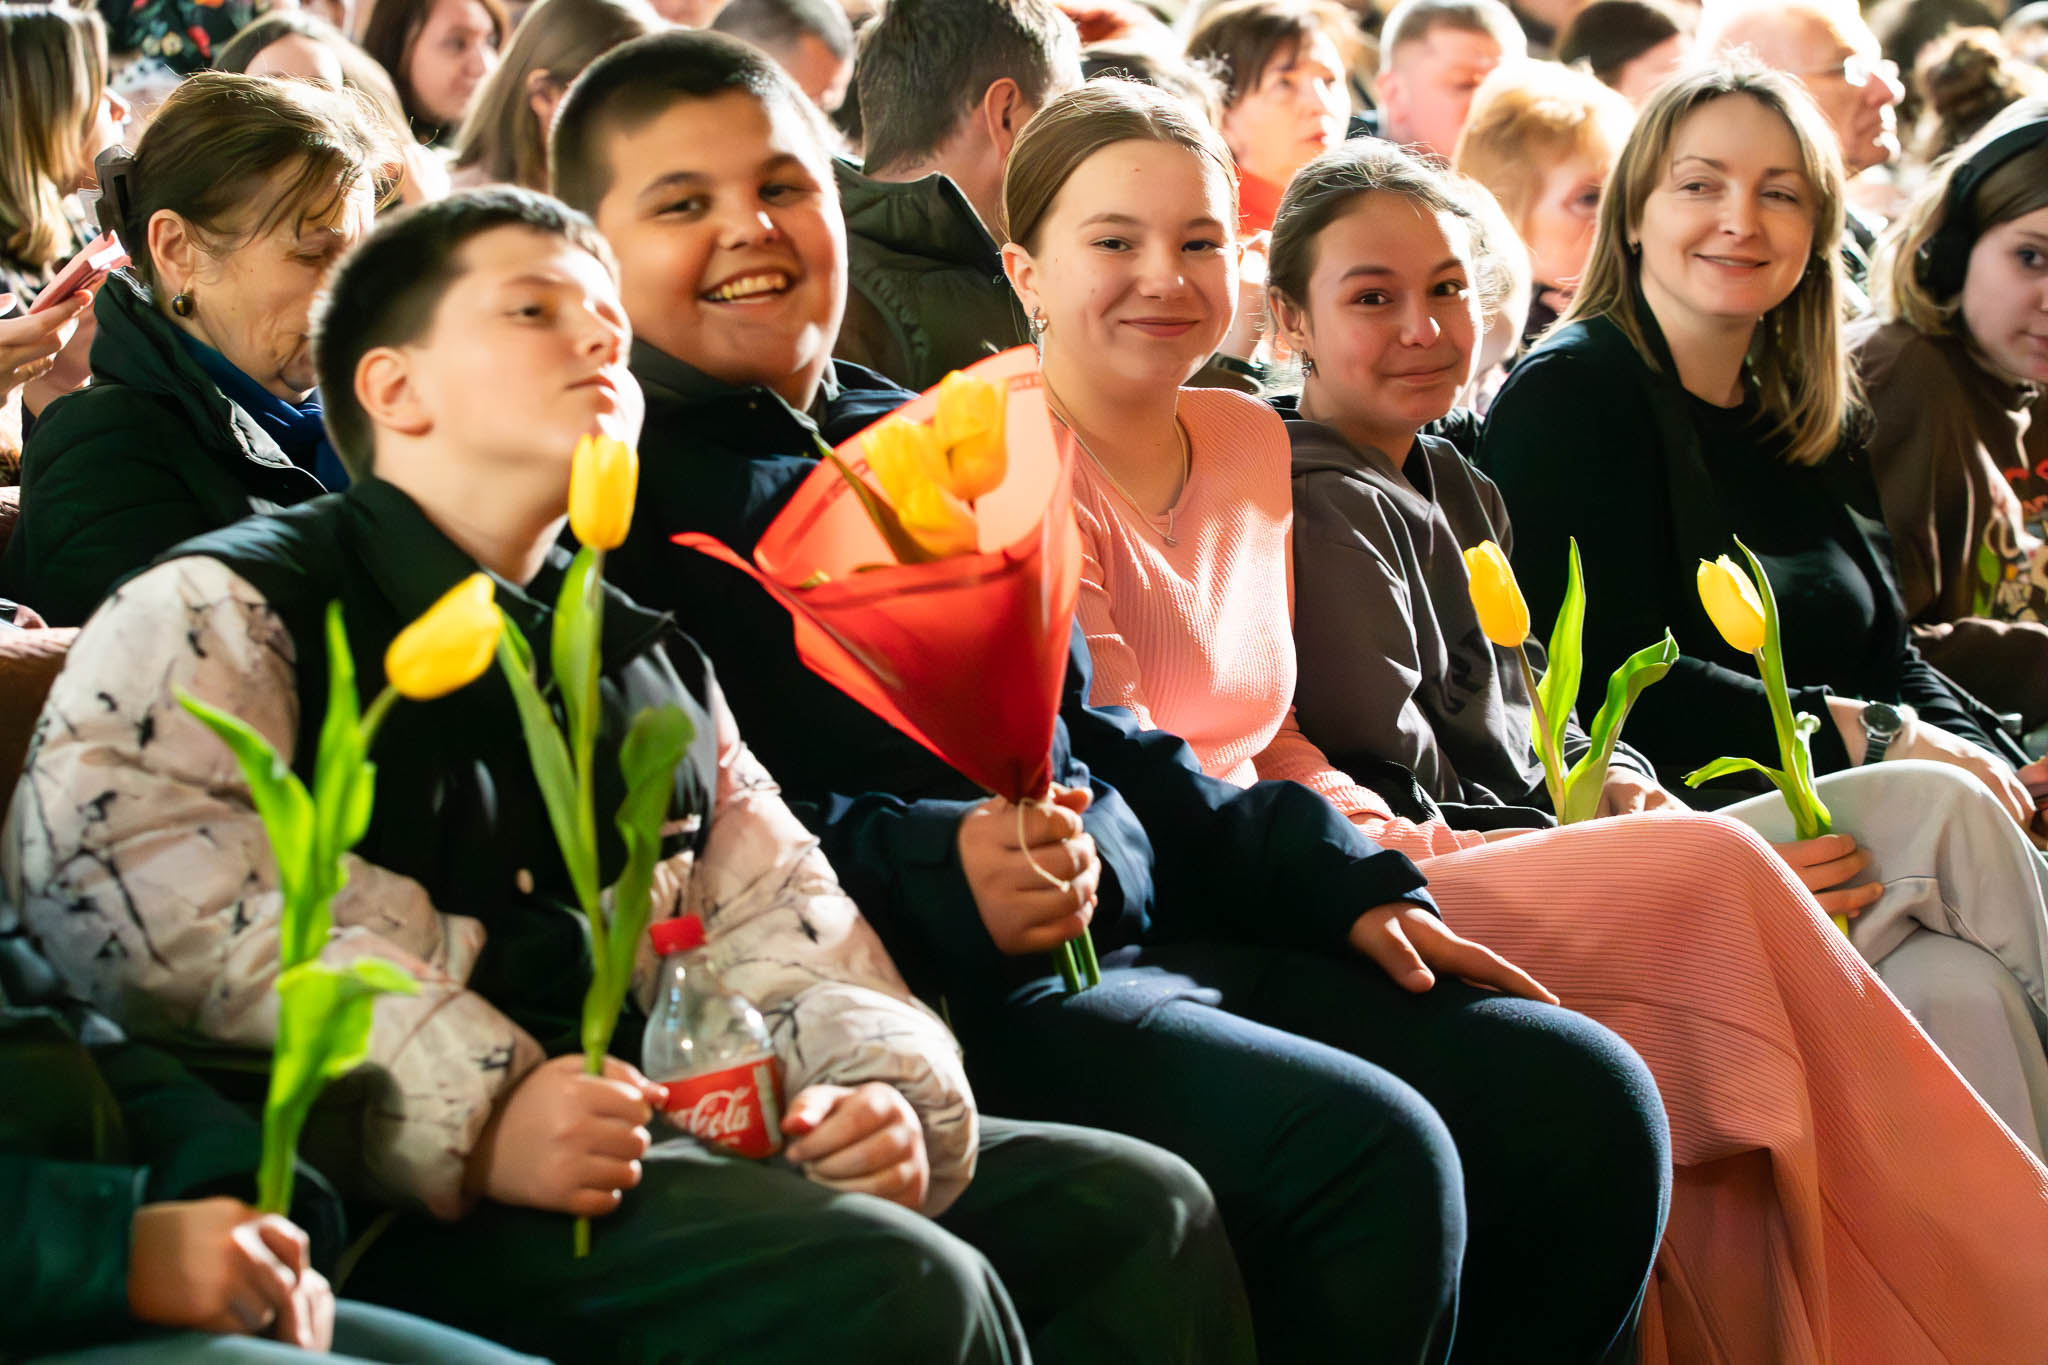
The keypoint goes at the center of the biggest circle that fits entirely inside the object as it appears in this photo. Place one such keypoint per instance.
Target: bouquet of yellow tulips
(603, 485)
(1504, 618)
(1746, 614)
(942, 596)
(323, 1013)
(933, 473)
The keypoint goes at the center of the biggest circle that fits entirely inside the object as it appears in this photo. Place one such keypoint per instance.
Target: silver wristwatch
(1882, 723)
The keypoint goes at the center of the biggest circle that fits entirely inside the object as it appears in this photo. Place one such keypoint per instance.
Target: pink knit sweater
(1198, 638)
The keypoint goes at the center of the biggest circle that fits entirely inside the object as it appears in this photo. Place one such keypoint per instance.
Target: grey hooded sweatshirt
(1394, 667)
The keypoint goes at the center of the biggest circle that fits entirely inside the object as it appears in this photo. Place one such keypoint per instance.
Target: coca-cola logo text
(737, 1107)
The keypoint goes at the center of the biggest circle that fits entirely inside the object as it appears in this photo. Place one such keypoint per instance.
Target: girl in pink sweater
(1807, 1223)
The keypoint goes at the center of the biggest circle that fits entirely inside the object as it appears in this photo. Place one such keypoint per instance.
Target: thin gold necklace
(1187, 467)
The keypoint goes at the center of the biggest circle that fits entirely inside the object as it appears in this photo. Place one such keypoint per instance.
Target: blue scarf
(296, 427)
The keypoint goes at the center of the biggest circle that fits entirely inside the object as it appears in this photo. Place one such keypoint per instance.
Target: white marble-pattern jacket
(139, 863)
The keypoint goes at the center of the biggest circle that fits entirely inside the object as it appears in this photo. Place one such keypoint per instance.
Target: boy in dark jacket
(466, 348)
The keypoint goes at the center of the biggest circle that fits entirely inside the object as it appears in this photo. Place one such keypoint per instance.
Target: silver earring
(1308, 367)
(1037, 326)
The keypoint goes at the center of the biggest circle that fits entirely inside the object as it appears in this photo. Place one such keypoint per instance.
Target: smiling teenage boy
(1235, 924)
(465, 348)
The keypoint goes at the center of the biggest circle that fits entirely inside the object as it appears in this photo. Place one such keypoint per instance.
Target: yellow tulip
(970, 431)
(1731, 600)
(938, 521)
(905, 457)
(1503, 615)
(603, 482)
(449, 646)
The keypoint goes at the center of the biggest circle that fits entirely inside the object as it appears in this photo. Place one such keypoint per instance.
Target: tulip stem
(1076, 957)
(1553, 763)
(373, 718)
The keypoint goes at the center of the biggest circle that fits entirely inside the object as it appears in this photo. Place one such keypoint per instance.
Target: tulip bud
(938, 521)
(969, 426)
(904, 456)
(449, 646)
(1731, 600)
(1503, 615)
(603, 482)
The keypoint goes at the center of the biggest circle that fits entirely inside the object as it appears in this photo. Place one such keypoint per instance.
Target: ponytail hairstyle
(225, 146)
(1797, 357)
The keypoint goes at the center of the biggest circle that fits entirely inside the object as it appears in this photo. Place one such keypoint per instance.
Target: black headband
(1944, 258)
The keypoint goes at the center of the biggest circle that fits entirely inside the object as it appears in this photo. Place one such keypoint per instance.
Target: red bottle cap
(678, 935)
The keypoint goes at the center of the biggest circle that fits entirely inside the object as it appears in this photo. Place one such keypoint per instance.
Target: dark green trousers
(1076, 1245)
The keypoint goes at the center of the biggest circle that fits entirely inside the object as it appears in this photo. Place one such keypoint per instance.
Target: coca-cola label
(738, 1107)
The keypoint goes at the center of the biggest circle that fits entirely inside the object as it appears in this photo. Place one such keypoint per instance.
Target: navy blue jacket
(1187, 857)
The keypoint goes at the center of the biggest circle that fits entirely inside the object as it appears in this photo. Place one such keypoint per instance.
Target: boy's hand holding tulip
(567, 1141)
(864, 1140)
(1023, 912)
(217, 1265)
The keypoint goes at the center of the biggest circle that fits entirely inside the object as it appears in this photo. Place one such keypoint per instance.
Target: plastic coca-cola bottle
(711, 1049)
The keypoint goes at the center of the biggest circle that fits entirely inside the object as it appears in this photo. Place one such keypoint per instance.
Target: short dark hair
(642, 80)
(386, 291)
(924, 63)
(778, 25)
(1609, 34)
(389, 34)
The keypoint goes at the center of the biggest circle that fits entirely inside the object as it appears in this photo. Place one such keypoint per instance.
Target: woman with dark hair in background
(504, 138)
(1631, 45)
(1964, 78)
(240, 196)
(1282, 63)
(437, 53)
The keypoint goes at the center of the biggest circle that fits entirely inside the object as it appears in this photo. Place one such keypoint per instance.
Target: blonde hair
(2018, 186)
(53, 65)
(502, 133)
(1530, 117)
(1080, 123)
(1797, 359)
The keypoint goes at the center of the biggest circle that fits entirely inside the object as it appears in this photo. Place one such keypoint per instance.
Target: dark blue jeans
(1405, 1178)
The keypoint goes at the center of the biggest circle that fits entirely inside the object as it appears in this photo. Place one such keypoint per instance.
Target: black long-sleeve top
(1587, 440)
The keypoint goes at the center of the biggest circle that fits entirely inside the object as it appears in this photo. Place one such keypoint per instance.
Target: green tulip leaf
(1722, 767)
(901, 543)
(286, 810)
(1559, 687)
(323, 1032)
(653, 748)
(1588, 776)
(552, 770)
(574, 647)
